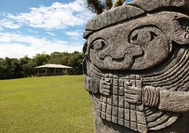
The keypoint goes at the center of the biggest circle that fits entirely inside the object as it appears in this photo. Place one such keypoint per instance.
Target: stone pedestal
(136, 67)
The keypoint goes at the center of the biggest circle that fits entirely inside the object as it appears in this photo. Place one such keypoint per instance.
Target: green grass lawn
(57, 104)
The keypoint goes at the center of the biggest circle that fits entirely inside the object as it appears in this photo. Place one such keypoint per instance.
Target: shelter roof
(53, 66)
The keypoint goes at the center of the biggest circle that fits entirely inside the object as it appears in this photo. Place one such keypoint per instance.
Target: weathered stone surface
(137, 67)
(114, 16)
(149, 5)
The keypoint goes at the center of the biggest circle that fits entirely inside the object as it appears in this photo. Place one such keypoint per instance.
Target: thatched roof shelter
(51, 69)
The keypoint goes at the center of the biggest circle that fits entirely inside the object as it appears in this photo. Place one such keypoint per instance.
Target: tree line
(25, 67)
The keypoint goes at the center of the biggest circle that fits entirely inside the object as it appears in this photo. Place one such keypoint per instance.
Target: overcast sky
(28, 27)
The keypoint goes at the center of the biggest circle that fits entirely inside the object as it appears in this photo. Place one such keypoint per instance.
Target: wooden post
(38, 72)
(46, 71)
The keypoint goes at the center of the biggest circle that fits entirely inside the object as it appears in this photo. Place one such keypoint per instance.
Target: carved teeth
(187, 36)
(187, 29)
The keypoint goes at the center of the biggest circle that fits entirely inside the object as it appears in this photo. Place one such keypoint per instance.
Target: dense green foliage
(97, 6)
(56, 104)
(25, 67)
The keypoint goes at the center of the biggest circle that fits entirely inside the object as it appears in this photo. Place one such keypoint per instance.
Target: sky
(30, 27)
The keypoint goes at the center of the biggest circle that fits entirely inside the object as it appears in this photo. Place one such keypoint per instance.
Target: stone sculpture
(136, 67)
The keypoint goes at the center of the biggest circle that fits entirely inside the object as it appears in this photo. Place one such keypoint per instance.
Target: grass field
(45, 105)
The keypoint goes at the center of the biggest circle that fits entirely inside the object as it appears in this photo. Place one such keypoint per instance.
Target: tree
(10, 68)
(98, 7)
(26, 71)
(2, 68)
(108, 4)
(37, 60)
(40, 59)
(69, 59)
(95, 6)
(59, 58)
(75, 61)
(15, 68)
(118, 2)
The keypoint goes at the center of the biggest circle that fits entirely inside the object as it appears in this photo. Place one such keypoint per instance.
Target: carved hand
(133, 94)
(151, 96)
(105, 87)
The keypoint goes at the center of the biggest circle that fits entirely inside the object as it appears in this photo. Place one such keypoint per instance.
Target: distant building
(51, 69)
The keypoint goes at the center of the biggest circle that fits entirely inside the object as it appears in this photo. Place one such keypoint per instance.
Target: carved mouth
(118, 60)
(115, 64)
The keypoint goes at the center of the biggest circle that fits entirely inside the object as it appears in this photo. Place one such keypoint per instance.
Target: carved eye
(134, 38)
(144, 37)
(84, 47)
(153, 35)
(183, 21)
(98, 44)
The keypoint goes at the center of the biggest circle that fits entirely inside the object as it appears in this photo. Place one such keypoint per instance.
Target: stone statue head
(136, 65)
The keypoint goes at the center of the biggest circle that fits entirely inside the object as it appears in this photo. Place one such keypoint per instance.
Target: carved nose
(119, 52)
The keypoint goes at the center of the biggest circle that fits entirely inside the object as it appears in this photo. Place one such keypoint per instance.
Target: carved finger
(128, 83)
(132, 88)
(106, 90)
(106, 87)
(131, 101)
(106, 83)
(105, 93)
(130, 96)
(107, 80)
(130, 92)
(133, 98)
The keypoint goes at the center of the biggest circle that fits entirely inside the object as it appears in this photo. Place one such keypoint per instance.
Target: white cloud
(15, 45)
(9, 24)
(74, 34)
(56, 16)
(73, 15)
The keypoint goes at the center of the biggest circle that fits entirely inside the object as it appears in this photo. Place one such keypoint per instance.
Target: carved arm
(173, 101)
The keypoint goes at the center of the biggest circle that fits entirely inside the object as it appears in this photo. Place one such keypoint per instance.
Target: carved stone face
(110, 49)
(138, 44)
